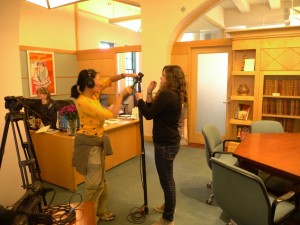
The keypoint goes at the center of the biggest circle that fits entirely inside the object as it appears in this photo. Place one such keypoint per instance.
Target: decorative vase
(243, 89)
(72, 127)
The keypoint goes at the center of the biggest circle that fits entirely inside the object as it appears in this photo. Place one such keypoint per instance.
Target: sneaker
(107, 216)
(162, 221)
(160, 208)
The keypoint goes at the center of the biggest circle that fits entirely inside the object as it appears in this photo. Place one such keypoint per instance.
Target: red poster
(41, 71)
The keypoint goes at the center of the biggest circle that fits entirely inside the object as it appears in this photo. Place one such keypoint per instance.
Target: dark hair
(175, 80)
(82, 81)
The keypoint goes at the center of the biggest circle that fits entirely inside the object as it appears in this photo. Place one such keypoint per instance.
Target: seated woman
(45, 107)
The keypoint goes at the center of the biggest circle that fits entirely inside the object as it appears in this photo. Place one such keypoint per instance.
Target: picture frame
(41, 71)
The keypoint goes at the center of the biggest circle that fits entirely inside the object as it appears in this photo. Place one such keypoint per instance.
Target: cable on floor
(64, 213)
(137, 215)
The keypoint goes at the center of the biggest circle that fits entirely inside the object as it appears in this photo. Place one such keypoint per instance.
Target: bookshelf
(239, 78)
(281, 98)
(275, 81)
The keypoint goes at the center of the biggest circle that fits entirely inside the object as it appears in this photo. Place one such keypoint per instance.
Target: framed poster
(41, 71)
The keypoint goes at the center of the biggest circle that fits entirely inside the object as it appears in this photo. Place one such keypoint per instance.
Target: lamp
(49, 4)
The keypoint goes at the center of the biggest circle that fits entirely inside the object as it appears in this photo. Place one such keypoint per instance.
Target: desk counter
(54, 152)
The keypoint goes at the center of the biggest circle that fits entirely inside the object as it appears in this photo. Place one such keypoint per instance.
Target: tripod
(13, 118)
(30, 201)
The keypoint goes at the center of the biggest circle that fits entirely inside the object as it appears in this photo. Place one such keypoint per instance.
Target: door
(209, 91)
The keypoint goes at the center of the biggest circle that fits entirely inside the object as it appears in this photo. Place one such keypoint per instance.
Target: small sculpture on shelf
(243, 89)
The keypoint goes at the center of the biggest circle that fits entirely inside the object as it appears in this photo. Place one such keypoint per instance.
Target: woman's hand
(151, 86)
(138, 96)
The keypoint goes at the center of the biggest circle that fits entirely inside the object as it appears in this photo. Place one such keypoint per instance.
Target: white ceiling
(247, 13)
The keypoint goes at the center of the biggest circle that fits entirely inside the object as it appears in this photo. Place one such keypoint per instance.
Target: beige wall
(55, 29)
(46, 28)
(159, 33)
(91, 30)
(10, 84)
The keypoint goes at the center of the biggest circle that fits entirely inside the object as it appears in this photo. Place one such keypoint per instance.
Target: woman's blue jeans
(164, 158)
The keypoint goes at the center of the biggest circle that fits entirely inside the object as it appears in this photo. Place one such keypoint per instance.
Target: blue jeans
(164, 158)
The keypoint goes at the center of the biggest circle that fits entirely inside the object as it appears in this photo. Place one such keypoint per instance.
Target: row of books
(290, 107)
(286, 87)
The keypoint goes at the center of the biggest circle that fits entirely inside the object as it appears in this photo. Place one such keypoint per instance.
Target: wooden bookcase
(275, 82)
(281, 98)
(240, 77)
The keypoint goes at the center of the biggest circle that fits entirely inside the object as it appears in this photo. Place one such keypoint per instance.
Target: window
(130, 66)
(106, 44)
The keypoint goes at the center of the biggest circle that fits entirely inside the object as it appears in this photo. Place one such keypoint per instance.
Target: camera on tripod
(13, 103)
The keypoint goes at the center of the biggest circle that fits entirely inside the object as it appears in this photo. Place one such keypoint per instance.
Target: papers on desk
(112, 121)
(46, 129)
(43, 129)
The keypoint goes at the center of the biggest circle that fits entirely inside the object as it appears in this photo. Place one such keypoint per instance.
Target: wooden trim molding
(33, 48)
(265, 33)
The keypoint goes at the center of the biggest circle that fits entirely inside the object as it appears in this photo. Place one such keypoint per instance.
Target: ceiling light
(53, 3)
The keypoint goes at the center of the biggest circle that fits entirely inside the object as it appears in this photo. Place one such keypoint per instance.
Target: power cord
(137, 215)
(63, 214)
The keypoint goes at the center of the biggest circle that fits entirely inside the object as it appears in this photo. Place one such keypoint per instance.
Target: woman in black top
(45, 107)
(165, 110)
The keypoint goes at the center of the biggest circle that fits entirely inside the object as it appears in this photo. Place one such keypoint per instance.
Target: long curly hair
(175, 80)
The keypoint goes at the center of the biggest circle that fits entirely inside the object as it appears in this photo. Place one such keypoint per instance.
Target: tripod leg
(4, 137)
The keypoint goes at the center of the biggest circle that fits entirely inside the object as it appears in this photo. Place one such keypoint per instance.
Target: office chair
(276, 185)
(215, 147)
(243, 197)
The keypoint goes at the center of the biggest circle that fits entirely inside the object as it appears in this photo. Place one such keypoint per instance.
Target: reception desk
(54, 152)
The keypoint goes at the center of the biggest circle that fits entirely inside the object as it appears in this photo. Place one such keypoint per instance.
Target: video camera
(13, 103)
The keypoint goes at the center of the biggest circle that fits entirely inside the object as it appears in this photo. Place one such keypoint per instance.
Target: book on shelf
(242, 112)
(242, 131)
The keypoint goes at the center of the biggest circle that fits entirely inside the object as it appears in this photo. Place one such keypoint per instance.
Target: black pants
(164, 158)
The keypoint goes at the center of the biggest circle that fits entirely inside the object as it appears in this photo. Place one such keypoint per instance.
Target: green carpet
(126, 191)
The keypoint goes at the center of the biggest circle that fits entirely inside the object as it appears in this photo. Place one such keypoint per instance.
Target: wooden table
(55, 151)
(278, 154)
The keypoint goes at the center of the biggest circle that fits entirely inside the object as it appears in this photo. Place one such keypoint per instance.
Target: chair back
(213, 141)
(266, 126)
(241, 194)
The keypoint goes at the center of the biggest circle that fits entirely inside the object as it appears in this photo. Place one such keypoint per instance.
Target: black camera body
(13, 103)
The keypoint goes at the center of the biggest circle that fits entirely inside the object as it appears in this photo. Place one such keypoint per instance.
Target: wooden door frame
(193, 135)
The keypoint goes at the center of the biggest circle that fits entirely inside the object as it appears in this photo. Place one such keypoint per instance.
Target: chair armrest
(286, 197)
(217, 152)
(229, 140)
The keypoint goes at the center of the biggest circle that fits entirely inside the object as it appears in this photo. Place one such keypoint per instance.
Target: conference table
(277, 154)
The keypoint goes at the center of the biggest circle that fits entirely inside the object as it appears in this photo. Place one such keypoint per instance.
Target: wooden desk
(55, 151)
(278, 154)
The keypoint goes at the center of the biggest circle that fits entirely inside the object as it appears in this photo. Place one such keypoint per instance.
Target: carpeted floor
(126, 193)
